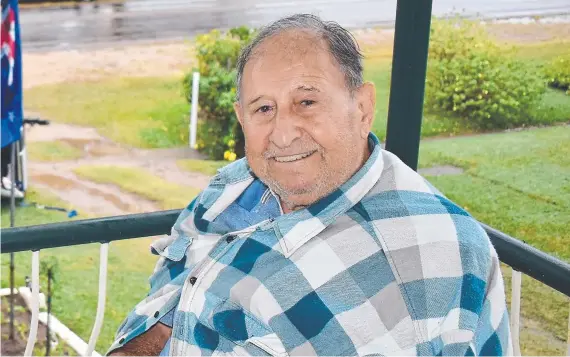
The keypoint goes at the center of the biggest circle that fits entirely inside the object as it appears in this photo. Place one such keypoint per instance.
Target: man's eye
(263, 109)
(307, 102)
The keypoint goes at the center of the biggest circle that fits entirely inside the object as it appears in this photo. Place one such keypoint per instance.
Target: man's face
(305, 132)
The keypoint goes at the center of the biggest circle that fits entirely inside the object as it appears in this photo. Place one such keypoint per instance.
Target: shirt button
(193, 280)
(122, 340)
(156, 314)
(230, 239)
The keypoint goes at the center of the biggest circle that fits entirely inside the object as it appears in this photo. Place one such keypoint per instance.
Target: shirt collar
(298, 227)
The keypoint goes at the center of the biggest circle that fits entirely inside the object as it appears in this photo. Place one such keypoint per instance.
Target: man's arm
(149, 343)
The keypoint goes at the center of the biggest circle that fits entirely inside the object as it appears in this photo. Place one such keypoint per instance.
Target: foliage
(473, 79)
(219, 133)
(558, 73)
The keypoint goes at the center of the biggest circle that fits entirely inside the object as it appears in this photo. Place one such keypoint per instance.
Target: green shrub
(219, 134)
(558, 73)
(473, 79)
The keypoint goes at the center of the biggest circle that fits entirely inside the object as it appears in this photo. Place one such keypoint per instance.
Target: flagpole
(12, 220)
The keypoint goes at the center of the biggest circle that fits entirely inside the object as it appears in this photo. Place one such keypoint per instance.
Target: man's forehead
(299, 58)
(291, 42)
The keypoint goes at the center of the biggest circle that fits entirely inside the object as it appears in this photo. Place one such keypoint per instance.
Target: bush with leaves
(473, 79)
(558, 73)
(219, 134)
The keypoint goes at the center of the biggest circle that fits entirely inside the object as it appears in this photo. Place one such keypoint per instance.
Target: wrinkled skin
(294, 102)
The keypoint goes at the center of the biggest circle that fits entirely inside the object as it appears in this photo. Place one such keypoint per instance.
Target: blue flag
(12, 110)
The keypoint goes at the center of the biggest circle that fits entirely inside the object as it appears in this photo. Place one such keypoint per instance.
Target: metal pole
(12, 222)
(194, 109)
(409, 64)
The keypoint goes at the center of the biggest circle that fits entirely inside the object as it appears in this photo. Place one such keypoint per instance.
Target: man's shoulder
(402, 195)
(413, 220)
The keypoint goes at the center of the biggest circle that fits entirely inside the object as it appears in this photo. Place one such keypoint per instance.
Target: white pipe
(194, 109)
(101, 298)
(516, 311)
(35, 303)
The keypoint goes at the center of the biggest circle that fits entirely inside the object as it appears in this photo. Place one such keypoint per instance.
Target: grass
(52, 151)
(519, 183)
(141, 182)
(141, 112)
(206, 167)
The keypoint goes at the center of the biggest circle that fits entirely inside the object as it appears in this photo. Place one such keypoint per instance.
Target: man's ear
(237, 110)
(367, 104)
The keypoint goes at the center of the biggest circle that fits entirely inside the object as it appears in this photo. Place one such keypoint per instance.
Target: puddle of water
(102, 202)
(95, 147)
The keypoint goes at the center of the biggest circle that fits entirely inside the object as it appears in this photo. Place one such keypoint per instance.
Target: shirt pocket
(172, 253)
(244, 329)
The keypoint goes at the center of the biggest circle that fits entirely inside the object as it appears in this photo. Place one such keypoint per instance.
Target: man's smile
(293, 158)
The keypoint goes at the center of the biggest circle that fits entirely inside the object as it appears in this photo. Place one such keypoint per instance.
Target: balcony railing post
(516, 282)
(101, 299)
(35, 303)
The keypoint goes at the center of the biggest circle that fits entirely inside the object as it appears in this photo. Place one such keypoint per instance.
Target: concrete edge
(62, 331)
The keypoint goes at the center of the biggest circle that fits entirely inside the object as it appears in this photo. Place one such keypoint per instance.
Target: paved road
(88, 24)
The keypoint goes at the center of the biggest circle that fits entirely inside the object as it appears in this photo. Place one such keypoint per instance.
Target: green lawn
(518, 183)
(52, 151)
(206, 167)
(142, 112)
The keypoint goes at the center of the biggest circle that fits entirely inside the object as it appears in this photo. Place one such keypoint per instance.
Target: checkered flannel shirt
(383, 265)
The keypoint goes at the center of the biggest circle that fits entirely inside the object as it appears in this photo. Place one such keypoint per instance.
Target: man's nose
(285, 130)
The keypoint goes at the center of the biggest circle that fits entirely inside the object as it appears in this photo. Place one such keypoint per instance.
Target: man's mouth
(292, 158)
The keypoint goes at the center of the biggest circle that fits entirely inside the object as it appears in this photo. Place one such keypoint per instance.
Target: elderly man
(319, 242)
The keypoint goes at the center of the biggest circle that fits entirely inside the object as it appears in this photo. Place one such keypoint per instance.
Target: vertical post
(48, 336)
(100, 314)
(33, 335)
(194, 109)
(516, 282)
(409, 64)
(12, 223)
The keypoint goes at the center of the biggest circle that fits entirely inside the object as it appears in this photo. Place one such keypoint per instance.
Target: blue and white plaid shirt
(383, 265)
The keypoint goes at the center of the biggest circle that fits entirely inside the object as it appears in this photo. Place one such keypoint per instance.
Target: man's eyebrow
(308, 88)
(254, 100)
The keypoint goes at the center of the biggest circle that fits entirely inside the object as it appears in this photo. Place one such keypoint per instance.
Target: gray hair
(341, 44)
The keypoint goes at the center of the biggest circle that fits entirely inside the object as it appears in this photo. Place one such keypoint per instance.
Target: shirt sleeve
(171, 269)
(493, 335)
(488, 333)
(476, 322)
